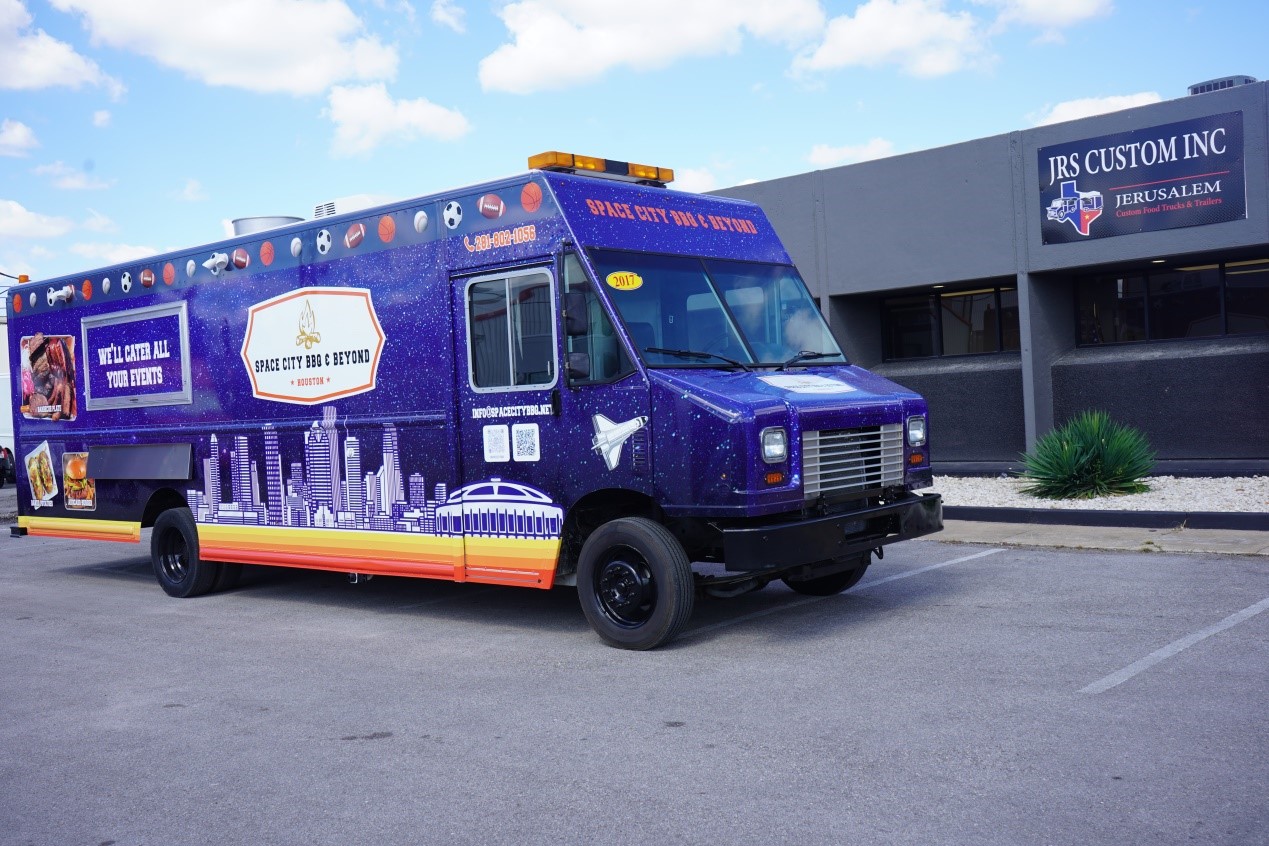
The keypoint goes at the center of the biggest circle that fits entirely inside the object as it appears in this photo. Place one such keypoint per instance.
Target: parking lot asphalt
(961, 693)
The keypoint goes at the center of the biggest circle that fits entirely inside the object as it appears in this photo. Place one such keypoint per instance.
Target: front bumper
(780, 546)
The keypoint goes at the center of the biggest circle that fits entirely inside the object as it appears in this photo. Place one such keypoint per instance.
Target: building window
(1198, 301)
(983, 320)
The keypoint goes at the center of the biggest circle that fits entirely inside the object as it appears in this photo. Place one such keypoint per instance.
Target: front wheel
(174, 554)
(833, 583)
(635, 583)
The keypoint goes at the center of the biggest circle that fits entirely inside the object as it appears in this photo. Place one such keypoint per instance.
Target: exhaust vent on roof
(344, 205)
(1220, 84)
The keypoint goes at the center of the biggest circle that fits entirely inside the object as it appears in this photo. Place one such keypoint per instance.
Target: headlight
(775, 445)
(916, 431)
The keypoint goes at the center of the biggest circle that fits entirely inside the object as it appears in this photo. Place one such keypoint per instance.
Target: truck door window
(606, 355)
(511, 331)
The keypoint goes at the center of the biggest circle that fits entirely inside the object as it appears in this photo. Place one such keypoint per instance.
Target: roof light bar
(592, 165)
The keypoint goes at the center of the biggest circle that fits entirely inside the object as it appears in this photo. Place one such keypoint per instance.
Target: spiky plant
(1089, 456)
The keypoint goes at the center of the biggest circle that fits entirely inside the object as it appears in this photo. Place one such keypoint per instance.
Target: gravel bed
(1167, 493)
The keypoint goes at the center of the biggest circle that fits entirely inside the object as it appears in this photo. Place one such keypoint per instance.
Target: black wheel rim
(625, 588)
(173, 556)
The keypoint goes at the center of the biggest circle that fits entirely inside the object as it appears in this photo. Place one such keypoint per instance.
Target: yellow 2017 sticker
(624, 280)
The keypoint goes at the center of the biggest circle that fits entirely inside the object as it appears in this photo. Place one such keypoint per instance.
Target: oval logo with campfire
(313, 345)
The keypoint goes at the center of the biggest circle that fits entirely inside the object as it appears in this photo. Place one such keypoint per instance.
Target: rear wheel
(174, 554)
(635, 583)
(834, 582)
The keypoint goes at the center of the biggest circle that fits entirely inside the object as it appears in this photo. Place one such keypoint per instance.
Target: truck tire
(635, 583)
(833, 583)
(174, 554)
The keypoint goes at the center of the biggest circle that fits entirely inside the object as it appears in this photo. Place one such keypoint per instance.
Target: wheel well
(595, 509)
(160, 501)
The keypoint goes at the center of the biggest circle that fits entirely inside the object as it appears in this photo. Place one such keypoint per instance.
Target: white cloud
(192, 192)
(450, 14)
(292, 46)
(1048, 13)
(16, 138)
(917, 35)
(824, 155)
(696, 180)
(18, 222)
(33, 59)
(98, 222)
(70, 179)
(558, 43)
(102, 254)
(1089, 106)
(366, 116)
(101, 119)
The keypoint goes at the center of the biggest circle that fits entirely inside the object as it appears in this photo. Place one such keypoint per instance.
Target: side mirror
(578, 365)
(575, 314)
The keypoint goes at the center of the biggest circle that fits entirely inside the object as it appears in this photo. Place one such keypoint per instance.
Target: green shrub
(1090, 456)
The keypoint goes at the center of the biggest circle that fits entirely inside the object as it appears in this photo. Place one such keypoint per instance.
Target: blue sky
(129, 128)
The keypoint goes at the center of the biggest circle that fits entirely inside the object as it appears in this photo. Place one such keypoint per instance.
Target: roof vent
(344, 205)
(251, 225)
(1220, 84)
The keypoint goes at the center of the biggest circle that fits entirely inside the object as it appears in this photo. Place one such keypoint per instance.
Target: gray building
(1118, 262)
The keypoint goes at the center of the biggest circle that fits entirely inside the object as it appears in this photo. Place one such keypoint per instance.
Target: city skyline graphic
(331, 489)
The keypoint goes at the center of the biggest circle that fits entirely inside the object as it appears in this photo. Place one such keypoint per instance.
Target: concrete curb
(1255, 521)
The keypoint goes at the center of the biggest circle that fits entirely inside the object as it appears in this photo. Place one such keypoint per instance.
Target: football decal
(147, 278)
(323, 241)
(296, 246)
(355, 235)
(387, 229)
(241, 259)
(531, 197)
(491, 206)
(420, 221)
(266, 253)
(453, 214)
(169, 274)
(125, 282)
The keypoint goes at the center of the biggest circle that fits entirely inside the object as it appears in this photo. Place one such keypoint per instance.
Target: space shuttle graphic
(609, 437)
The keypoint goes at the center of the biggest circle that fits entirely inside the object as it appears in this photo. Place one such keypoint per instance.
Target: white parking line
(808, 600)
(1114, 679)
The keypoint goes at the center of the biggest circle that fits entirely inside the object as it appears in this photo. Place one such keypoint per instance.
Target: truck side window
(511, 326)
(608, 358)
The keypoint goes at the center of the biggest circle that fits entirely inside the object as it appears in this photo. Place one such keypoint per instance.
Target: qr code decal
(525, 446)
(496, 446)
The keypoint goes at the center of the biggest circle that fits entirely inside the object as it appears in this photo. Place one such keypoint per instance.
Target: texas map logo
(1076, 207)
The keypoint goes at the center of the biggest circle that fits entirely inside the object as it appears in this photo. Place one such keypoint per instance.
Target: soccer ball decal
(125, 282)
(453, 214)
(323, 241)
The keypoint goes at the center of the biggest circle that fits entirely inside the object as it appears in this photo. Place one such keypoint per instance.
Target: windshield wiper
(806, 355)
(696, 354)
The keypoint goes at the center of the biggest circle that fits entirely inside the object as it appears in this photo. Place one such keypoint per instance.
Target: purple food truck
(571, 377)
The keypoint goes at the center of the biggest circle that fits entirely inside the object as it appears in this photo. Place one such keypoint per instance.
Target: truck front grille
(841, 461)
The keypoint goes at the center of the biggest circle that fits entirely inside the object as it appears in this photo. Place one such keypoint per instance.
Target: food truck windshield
(691, 312)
